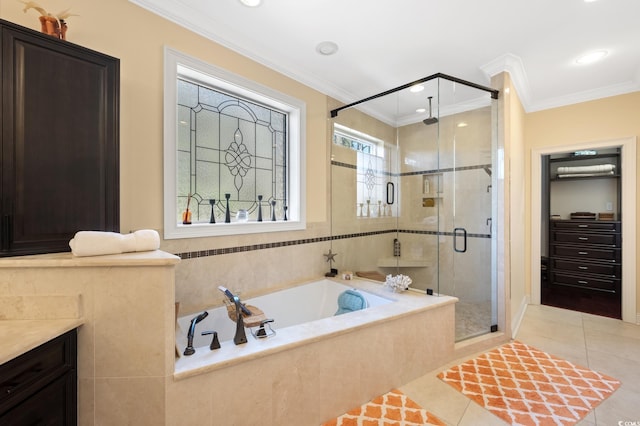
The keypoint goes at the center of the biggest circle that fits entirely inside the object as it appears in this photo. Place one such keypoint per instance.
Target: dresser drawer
(612, 239)
(602, 284)
(36, 368)
(593, 225)
(608, 269)
(602, 254)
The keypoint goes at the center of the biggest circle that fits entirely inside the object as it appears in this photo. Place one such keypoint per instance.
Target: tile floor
(603, 344)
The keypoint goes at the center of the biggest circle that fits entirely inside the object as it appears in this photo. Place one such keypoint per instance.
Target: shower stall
(415, 173)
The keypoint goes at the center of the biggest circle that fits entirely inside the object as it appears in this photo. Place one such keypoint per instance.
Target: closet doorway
(581, 223)
(564, 246)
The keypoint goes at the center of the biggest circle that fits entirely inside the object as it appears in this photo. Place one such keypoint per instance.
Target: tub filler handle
(262, 332)
(215, 342)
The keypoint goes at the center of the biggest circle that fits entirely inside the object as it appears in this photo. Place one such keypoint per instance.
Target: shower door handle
(391, 193)
(455, 239)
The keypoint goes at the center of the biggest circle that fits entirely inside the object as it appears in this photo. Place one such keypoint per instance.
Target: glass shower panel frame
(467, 260)
(363, 193)
(440, 171)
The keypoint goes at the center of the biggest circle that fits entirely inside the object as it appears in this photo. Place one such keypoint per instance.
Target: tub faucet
(241, 336)
(189, 350)
(230, 295)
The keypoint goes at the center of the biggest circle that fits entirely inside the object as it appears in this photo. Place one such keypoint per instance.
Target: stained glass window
(229, 148)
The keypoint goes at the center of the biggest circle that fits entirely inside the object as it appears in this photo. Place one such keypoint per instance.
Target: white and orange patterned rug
(525, 386)
(391, 409)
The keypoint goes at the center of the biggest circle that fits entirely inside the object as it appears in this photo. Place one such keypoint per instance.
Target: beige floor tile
(478, 416)
(435, 396)
(603, 344)
(625, 370)
(620, 346)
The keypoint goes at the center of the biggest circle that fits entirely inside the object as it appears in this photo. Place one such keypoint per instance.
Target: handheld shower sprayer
(189, 350)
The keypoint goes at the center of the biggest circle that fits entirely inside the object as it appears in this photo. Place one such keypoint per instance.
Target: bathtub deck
(405, 305)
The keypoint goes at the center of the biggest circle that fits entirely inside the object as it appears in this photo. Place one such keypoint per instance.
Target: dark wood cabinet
(585, 263)
(40, 387)
(59, 141)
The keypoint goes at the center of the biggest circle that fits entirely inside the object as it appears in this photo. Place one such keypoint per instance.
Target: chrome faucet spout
(231, 297)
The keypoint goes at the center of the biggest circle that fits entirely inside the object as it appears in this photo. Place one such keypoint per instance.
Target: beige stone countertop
(20, 336)
(67, 259)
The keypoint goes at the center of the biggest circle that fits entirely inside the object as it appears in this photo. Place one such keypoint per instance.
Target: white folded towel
(573, 175)
(596, 168)
(97, 243)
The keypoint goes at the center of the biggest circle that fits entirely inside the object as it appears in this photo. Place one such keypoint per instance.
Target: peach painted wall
(600, 120)
(136, 36)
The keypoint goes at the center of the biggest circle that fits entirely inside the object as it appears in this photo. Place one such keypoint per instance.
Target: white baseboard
(516, 318)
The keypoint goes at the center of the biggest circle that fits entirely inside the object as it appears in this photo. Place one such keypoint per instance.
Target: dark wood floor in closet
(588, 301)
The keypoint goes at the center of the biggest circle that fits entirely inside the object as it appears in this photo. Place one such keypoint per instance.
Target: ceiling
(386, 44)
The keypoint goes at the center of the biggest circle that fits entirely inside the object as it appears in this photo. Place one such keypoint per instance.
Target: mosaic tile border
(276, 244)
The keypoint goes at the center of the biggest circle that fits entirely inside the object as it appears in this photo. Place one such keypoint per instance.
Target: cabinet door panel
(52, 405)
(60, 130)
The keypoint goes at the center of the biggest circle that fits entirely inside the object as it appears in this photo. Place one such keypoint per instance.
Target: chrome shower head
(431, 119)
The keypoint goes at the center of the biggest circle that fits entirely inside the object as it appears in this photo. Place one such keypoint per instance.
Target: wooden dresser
(586, 254)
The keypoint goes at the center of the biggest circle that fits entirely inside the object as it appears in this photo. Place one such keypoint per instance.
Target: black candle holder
(227, 214)
(285, 212)
(273, 210)
(213, 206)
(259, 208)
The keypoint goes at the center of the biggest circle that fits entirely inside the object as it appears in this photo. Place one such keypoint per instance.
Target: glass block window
(234, 153)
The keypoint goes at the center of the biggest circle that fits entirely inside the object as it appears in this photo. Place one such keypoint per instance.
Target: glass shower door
(466, 262)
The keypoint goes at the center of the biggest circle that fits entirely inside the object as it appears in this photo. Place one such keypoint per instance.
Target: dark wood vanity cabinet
(586, 254)
(59, 141)
(40, 386)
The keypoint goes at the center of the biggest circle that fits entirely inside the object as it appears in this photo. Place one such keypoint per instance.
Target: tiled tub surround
(126, 349)
(402, 307)
(320, 369)
(126, 342)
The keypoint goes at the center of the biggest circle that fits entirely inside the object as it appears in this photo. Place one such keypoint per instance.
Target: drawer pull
(583, 252)
(584, 268)
(583, 238)
(583, 226)
(583, 282)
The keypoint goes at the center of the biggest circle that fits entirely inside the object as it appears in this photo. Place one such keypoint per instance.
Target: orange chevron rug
(525, 386)
(391, 409)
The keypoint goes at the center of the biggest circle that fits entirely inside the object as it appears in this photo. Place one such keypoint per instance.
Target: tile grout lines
(524, 385)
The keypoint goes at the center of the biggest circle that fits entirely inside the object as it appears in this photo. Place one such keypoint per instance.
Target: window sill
(223, 229)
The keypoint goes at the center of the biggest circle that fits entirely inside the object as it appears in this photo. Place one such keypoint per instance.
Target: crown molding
(513, 65)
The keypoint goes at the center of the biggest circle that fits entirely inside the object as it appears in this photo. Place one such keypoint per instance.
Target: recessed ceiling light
(416, 88)
(251, 3)
(327, 48)
(421, 110)
(589, 1)
(591, 57)
(462, 124)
